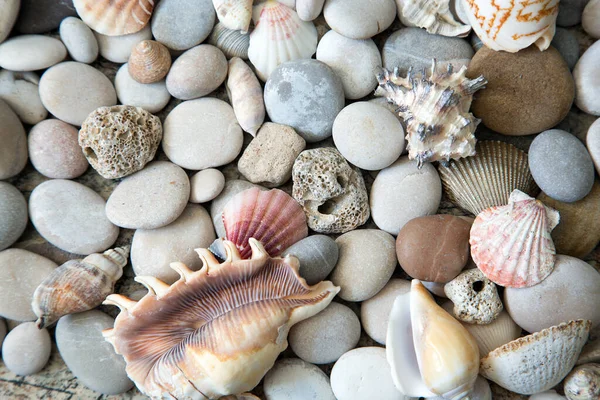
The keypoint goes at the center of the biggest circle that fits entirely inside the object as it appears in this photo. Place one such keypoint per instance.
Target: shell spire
(433, 15)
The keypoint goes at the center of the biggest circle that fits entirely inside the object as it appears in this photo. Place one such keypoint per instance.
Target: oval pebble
(13, 152)
(566, 43)
(26, 349)
(202, 133)
(54, 150)
(31, 52)
(8, 17)
(231, 188)
(569, 12)
(590, 20)
(13, 214)
(402, 192)
(182, 24)
(21, 91)
(79, 40)
(118, 48)
(317, 254)
(72, 90)
(294, 379)
(71, 216)
(585, 73)
(152, 97)
(39, 16)
(21, 273)
(206, 185)
(375, 312)
(150, 198)
(88, 355)
(358, 19)
(593, 143)
(366, 262)
(309, 10)
(364, 373)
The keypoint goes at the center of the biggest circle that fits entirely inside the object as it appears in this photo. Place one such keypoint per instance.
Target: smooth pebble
(118, 48)
(8, 17)
(590, 20)
(309, 10)
(375, 312)
(152, 97)
(205, 185)
(31, 52)
(587, 84)
(566, 43)
(182, 24)
(13, 214)
(294, 379)
(569, 12)
(79, 40)
(26, 349)
(593, 143)
(358, 19)
(3, 330)
(317, 254)
(40, 16)
(13, 152)
(21, 91)
(231, 188)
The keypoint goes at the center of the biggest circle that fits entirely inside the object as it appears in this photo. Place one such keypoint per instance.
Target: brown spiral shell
(149, 62)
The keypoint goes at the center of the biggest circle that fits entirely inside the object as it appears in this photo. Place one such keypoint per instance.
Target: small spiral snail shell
(149, 61)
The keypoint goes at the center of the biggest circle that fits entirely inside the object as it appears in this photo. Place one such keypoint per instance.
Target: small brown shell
(115, 17)
(149, 62)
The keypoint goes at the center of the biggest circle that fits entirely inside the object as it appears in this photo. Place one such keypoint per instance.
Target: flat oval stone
(357, 19)
(88, 355)
(375, 312)
(26, 349)
(586, 80)
(31, 52)
(569, 13)
(118, 48)
(71, 216)
(366, 263)
(567, 45)
(402, 192)
(306, 95)
(206, 185)
(593, 143)
(294, 379)
(590, 19)
(13, 214)
(317, 254)
(72, 90)
(182, 24)
(201, 134)
(561, 165)
(8, 17)
(231, 188)
(151, 198)
(54, 150)
(39, 16)
(570, 292)
(13, 152)
(21, 273)
(152, 97)
(20, 90)
(79, 40)
(152, 250)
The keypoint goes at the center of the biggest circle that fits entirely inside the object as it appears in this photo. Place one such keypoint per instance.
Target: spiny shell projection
(488, 178)
(537, 362)
(246, 95)
(231, 42)
(435, 108)
(433, 15)
(512, 25)
(512, 245)
(115, 17)
(234, 14)
(149, 61)
(217, 331)
(78, 285)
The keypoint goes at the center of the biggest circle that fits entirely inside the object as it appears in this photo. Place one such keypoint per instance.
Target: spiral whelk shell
(433, 15)
(115, 17)
(149, 61)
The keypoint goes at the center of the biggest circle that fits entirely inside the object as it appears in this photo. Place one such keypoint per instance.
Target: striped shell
(234, 14)
(115, 17)
(433, 15)
(149, 62)
(231, 42)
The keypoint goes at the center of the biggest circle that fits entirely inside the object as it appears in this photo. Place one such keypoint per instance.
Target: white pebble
(26, 349)
(118, 48)
(206, 185)
(590, 21)
(79, 40)
(294, 379)
(20, 90)
(152, 97)
(31, 52)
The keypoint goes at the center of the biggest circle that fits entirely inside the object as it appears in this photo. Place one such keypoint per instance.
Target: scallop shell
(280, 36)
(539, 361)
(512, 25)
(583, 383)
(272, 217)
(433, 15)
(430, 353)
(435, 108)
(231, 42)
(78, 285)
(115, 17)
(512, 245)
(216, 331)
(149, 61)
(234, 14)
(246, 95)
(488, 178)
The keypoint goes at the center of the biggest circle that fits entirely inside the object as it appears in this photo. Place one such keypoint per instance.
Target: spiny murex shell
(537, 362)
(583, 383)
(217, 331)
(435, 108)
(512, 244)
(433, 15)
(78, 285)
(115, 17)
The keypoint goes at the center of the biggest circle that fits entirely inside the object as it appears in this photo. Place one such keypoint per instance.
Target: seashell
(488, 178)
(246, 95)
(243, 396)
(512, 25)
(78, 285)
(481, 391)
(234, 14)
(231, 42)
(216, 331)
(430, 353)
(280, 36)
(590, 353)
(435, 108)
(539, 361)
(149, 62)
(583, 383)
(115, 17)
(272, 217)
(433, 15)
(512, 245)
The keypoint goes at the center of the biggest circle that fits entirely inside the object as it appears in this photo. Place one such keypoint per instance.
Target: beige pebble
(20, 90)
(31, 52)
(375, 312)
(118, 48)
(152, 97)
(13, 151)
(206, 185)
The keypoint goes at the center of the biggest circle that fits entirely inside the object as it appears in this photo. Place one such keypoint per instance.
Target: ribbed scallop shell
(272, 217)
(433, 15)
(539, 361)
(216, 331)
(231, 42)
(488, 178)
(234, 14)
(115, 17)
(149, 61)
(512, 245)
(280, 36)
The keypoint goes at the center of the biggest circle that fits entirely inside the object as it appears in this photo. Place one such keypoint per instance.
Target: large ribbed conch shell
(115, 17)
(149, 61)
(78, 285)
(234, 14)
(512, 245)
(246, 96)
(433, 15)
(430, 353)
(435, 108)
(535, 363)
(512, 25)
(231, 42)
(216, 331)
(280, 36)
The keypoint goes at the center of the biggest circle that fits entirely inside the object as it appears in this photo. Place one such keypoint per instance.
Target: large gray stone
(318, 255)
(182, 24)
(13, 151)
(13, 214)
(566, 43)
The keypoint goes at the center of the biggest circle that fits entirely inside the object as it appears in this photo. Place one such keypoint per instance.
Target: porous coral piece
(120, 140)
(332, 193)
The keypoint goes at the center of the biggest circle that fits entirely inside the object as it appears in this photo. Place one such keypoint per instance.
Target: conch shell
(433, 15)
(78, 285)
(512, 245)
(512, 25)
(435, 108)
(246, 96)
(115, 17)
(234, 14)
(149, 61)
(217, 331)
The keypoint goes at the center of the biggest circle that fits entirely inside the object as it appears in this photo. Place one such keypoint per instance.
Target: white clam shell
(234, 14)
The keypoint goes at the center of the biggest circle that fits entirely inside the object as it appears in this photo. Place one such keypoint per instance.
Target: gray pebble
(13, 152)
(26, 349)
(40, 16)
(294, 379)
(566, 43)
(13, 214)
(318, 255)
(182, 24)
(152, 97)
(570, 11)
(79, 40)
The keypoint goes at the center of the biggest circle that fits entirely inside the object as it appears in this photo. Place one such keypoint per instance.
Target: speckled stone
(357, 19)
(593, 143)
(79, 40)
(206, 185)
(26, 349)
(231, 188)
(20, 90)
(318, 255)
(8, 17)
(31, 52)
(152, 97)
(182, 24)
(570, 11)
(375, 312)
(587, 96)
(151, 198)
(40, 16)
(118, 48)
(590, 20)
(294, 379)
(566, 43)
(13, 152)
(13, 214)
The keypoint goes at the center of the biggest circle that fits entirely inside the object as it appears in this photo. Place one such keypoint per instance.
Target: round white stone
(375, 312)
(206, 185)
(26, 349)
(294, 379)
(152, 97)
(359, 19)
(587, 84)
(118, 48)
(31, 52)
(79, 40)
(21, 91)
(590, 20)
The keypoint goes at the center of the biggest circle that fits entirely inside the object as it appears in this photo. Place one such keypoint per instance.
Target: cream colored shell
(246, 96)
(115, 17)
(433, 15)
(234, 14)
